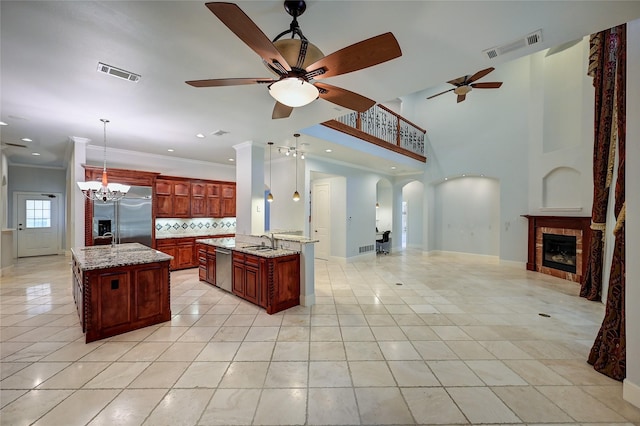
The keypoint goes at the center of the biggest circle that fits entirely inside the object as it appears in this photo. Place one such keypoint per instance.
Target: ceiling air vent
(219, 132)
(528, 40)
(117, 72)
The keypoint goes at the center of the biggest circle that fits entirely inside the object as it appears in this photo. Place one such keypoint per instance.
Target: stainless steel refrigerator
(129, 220)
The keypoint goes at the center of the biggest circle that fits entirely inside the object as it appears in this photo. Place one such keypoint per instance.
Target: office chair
(384, 245)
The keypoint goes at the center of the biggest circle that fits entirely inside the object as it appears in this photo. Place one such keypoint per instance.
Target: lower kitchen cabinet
(182, 250)
(206, 263)
(247, 280)
(272, 283)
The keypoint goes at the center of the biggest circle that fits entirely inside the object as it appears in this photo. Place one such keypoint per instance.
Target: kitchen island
(261, 274)
(119, 288)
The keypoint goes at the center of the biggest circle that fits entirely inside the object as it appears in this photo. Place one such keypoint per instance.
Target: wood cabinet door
(112, 300)
(164, 187)
(212, 208)
(211, 268)
(150, 292)
(238, 278)
(164, 205)
(184, 253)
(251, 283)
(181, 206)
(198, 199)
(228, 205)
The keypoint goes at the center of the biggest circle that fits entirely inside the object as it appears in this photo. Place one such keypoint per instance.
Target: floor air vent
(365, 249)
(528, 40)
(117, 72)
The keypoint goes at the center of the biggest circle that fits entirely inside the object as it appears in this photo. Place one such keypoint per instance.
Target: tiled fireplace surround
(559, 225)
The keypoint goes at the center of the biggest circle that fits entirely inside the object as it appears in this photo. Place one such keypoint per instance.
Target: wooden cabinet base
(120, 299)
(272, 283)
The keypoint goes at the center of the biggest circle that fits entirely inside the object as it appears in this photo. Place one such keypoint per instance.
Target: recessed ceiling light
(393, 167)
(200, 135)
(2, 123)
(232, 159)
(35, 153)
(170, 150)
(464, 175)
(328, 150)
(26, 140)
(446, 178)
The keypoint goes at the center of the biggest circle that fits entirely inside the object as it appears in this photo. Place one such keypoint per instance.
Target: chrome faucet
(113, 238)
(272, 240)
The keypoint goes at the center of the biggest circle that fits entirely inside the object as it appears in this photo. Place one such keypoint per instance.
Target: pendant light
(103, 191)
(270, 195)
(296, 195)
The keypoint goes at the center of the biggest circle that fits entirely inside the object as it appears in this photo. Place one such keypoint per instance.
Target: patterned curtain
(608, 354)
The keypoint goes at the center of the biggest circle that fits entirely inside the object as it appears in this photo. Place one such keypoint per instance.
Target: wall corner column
(249, 188)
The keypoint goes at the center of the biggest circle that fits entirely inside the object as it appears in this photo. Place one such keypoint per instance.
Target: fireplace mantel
(581, 224)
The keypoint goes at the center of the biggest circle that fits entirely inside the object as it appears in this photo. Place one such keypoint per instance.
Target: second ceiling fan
(463, 85)
(298, 64)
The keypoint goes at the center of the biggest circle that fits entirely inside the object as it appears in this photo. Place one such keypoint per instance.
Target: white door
(321, 220)
(38, 233)
(404, 224)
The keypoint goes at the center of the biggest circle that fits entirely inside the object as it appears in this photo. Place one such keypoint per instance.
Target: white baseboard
(480, 257)
(5, 271)
(513, 263)
(631, 392)
(308, 300)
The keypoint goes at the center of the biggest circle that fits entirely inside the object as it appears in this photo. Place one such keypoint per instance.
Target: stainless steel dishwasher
(223, 269)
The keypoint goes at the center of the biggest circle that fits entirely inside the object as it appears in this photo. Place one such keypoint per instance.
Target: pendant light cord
(104, 139)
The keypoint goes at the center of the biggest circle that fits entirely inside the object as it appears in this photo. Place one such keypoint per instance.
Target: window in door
(38, 214)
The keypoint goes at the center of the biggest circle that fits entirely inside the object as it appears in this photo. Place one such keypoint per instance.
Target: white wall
(287, 214)
(631, 387)
(561, 133)
(487, 134)
(468, 209)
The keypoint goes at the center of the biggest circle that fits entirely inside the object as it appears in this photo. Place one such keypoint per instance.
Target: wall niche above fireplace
(555, 246)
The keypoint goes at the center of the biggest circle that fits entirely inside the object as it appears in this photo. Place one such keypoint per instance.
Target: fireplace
(555, 246)
(559, 252)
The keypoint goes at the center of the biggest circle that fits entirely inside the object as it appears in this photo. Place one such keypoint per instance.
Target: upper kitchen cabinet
(190, 198)
(228, 205)
(198, 199)
(173, 198)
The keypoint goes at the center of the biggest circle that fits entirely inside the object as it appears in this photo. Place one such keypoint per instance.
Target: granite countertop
(296, 238)
(107, 256)
(248, 248)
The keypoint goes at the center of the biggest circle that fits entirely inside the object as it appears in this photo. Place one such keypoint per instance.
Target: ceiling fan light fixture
(293, 92)
(462, 90)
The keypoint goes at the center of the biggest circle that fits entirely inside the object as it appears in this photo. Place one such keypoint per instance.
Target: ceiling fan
(466, 83)
(298, 64)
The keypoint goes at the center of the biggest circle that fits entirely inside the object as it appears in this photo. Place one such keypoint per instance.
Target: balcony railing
(383, 127)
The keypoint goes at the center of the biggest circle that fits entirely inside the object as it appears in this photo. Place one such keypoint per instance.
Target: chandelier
(103, 191)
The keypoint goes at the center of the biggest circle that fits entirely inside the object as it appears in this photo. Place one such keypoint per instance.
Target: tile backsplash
(195, 227)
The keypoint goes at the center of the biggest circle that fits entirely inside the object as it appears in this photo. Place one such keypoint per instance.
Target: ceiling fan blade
(441, 93)
(344, 98)
(281, 111)
(364, 54)
(247, 31)
(461, 98)
(479, 75)
(488, 85)
(219, 82)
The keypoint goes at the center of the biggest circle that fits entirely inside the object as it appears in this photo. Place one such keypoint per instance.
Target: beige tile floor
(402, 339)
